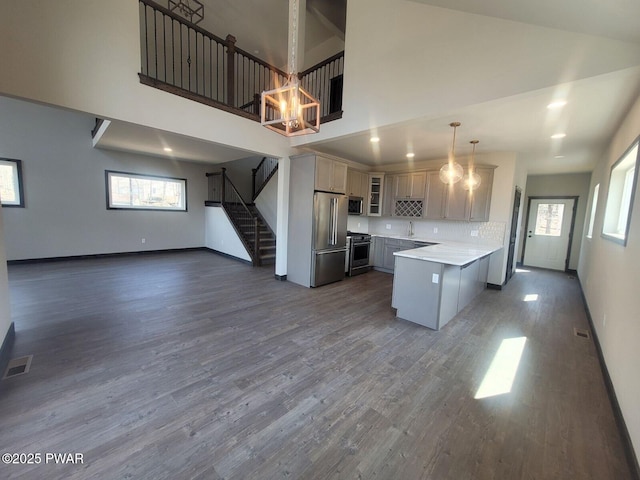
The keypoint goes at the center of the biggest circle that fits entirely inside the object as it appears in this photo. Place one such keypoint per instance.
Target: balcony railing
(184, 59)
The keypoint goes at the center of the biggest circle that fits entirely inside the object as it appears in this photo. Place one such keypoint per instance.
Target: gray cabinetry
(425, 292)
(385, 248)
(331, 176)
(376, 193)
(468, 284)
(377, 247)
(456, 203)
(436, 193)
(357, 183)
(481, 200)
(410, 186)
(388, 195)
(432, 293)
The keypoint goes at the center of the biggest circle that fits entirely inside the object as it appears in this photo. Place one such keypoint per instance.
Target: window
(594, 205)
(549, 219)
(133, 191)
(11, 191)
(617, 215)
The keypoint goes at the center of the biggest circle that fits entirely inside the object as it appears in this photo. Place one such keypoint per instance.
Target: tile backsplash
(482, 233)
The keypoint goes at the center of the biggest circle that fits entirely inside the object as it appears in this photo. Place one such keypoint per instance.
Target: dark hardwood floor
(192, 365)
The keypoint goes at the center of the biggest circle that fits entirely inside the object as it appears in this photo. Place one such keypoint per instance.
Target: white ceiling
(518, 123)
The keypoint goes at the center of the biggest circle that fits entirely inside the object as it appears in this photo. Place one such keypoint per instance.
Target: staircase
(246, 228)
(252, 229)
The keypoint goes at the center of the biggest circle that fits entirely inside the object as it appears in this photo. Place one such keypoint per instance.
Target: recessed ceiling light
(558, 135)
(557, 104)
(167, 149)
(411, 155)
(374, 139)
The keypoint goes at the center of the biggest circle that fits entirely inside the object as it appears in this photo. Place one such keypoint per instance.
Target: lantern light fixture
(289, 109)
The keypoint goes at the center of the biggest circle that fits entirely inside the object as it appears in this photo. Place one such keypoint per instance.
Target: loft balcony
(182, 58)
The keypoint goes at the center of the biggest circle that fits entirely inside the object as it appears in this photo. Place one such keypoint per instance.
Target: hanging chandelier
(471, 181)
(192, 10)
(290, 110)
(452, 172)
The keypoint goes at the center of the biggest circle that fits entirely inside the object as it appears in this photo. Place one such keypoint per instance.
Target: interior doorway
(549, 228)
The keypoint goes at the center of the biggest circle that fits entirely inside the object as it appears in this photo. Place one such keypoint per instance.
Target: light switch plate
(474, 233)
(388, 225)
(435, 278)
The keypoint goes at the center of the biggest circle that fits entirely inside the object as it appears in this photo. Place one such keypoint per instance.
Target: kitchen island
(432, 284)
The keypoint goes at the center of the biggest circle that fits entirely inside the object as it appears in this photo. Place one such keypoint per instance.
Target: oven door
(359, 261)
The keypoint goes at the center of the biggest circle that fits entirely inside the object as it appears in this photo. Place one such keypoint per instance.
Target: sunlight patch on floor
(499, 378)
(531, 297)
(522, 270)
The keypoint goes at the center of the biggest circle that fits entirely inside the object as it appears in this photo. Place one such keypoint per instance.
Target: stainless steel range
(358, 250)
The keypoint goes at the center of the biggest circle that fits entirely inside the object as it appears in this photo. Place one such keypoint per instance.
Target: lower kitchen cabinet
(432, 293)
(377, 248)
(384, 248)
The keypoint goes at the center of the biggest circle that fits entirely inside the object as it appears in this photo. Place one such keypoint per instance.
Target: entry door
(548, 233)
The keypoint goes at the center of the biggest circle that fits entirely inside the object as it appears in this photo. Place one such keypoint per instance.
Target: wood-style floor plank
(191, 365)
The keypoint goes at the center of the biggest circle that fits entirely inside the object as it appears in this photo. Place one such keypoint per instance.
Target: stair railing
(262, 174)
(222, 190)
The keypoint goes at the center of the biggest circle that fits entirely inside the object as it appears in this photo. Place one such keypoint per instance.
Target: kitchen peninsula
(432, 284)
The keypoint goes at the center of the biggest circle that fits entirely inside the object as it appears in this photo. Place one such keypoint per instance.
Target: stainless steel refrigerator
(329, 246)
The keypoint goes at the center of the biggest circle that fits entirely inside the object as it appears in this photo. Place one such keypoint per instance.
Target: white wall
(575, 184)
(267, 202)
(609, 278)
(64, 184)
(5, 313)
(412, 39)
(221, 236)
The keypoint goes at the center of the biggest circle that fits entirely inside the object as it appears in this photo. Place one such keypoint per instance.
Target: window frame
(612, 211)
(594, 207)
(20, 186)
(110, 206)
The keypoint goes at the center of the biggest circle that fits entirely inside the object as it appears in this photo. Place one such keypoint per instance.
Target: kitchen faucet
(410, 229)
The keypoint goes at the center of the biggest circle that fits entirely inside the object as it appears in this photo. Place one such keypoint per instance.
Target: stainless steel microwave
(356, 206)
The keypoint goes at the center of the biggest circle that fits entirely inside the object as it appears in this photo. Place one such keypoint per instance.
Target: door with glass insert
(548, 233)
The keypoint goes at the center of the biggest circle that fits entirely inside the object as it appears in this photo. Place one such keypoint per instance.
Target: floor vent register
(580, 332)
(18, 366)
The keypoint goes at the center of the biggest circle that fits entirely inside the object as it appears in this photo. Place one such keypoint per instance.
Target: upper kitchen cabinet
(357, 183)
(331, 176)
(456, 203)
(409, 194)
(436, 196)
(481, 198)
(376, 194)
(410, 185)
(388, 200)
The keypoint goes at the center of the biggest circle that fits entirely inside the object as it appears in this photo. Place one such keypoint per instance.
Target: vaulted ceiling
(505, 105)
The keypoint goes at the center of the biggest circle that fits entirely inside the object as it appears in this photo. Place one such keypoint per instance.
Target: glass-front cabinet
(376, 184)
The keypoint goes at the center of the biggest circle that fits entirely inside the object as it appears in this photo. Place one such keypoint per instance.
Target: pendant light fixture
(472, 180)
(290, 110)
(452, 172)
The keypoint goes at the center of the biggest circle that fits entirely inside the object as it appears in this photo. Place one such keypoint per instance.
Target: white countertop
(446, 252)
